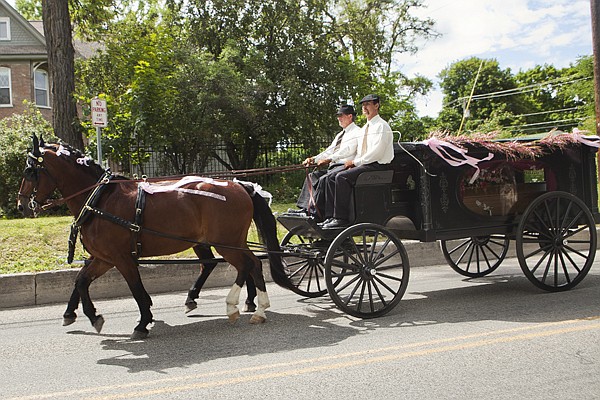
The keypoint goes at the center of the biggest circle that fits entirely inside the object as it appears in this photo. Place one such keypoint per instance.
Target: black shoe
(336, 223)
(327, 220)
(296, 212)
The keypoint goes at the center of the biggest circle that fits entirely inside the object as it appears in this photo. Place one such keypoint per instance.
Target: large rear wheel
(556, 241)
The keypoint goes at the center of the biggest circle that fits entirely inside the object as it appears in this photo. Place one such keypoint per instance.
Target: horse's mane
(76, 154)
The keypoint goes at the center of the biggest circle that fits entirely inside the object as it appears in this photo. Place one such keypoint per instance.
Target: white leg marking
(262, 304)
(233, 299)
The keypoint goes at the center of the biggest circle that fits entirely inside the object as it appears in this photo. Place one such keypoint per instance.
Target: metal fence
(158, 163)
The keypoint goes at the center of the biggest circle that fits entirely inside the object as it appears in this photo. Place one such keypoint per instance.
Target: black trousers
(317, 181)
(339, 190)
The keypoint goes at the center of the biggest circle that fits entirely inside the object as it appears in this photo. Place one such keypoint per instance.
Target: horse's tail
(267, 231)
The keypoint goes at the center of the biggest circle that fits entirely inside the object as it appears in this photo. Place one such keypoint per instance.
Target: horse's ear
(42, 143)
(36, 146)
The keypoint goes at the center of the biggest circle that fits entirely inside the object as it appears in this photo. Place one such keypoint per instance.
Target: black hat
(370, 97)
(346, 109)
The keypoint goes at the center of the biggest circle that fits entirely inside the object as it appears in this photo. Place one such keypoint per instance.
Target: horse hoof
(139, 335)
(68, 321)
(190, 306)
(234, 317)
(257, 319)
(249, 308)
(99, 323)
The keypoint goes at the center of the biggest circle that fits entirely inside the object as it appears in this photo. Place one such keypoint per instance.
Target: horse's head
(37, 184)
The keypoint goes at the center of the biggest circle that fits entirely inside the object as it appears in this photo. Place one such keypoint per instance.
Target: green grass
(40, 244)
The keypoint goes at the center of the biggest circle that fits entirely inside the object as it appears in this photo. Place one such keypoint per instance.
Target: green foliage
(15, 139)
(535, 100)
(246, 73)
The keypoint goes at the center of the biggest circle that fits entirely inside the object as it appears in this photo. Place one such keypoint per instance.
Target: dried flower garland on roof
(519, 148)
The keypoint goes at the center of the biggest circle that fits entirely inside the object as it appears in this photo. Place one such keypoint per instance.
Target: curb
(29, 289)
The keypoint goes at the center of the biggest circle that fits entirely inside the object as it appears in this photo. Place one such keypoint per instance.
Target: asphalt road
(498, 337)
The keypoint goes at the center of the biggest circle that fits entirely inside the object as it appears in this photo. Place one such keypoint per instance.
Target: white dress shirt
(380, 144)
(351, 133)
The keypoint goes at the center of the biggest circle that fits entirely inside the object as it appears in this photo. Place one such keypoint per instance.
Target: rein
(225, 174)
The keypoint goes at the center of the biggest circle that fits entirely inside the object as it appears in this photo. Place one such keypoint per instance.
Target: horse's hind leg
(248, 266)
(91, 270)
(204, 253)
(263, 302)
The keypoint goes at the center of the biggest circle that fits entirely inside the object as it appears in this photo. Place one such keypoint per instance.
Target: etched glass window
(5, 95)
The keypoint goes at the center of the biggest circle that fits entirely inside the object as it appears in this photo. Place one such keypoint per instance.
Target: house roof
(30, 42)
(26, 41)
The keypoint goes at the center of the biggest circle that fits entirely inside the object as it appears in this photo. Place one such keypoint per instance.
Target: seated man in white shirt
(374, 151)
(311, 200)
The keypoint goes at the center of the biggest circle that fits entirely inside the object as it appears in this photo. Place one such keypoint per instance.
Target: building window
(4, 28)
(5, 89)
(40, 83)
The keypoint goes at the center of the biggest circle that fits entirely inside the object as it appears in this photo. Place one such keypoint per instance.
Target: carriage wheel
(366, 270)
(556, 241)
(305, 270)
(476, 256)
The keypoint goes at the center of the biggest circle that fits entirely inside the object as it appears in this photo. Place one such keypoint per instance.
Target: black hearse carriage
(472, 196)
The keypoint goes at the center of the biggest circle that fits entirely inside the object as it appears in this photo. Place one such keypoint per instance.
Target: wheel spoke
(379, 294)
(462, 244)
(564, 268)
(584, 256)
(393, 278)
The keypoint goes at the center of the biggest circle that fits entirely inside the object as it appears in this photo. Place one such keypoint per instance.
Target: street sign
(99, 113)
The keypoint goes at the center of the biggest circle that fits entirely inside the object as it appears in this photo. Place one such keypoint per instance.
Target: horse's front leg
(131, 273)
(250, 306)
(91, 270)
(70, 316)
(203, 253)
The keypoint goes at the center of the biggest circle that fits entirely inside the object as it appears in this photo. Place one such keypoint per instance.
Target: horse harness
(90, 208)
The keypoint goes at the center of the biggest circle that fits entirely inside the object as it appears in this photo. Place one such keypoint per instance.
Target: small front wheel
(303, 264)
(476, 256)
(366, 270)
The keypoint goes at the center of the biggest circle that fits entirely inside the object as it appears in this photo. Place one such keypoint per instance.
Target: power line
(519, 90)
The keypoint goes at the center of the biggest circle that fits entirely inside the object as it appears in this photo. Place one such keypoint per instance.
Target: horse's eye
(30, 173)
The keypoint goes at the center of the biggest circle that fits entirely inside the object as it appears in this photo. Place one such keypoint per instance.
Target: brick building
(24, 63)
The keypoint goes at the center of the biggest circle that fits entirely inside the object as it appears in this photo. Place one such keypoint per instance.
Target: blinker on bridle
(34, 163)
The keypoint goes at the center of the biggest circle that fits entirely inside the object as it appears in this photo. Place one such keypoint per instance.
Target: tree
(61, 62)
(56, 15)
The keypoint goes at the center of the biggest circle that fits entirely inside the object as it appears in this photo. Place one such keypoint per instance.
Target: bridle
(31, 174)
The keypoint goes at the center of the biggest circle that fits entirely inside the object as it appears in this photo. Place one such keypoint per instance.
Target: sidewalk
(19, 290)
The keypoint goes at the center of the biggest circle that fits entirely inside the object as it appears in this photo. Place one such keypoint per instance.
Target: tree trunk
(61, 62)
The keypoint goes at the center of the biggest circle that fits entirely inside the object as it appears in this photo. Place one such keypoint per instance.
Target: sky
(519, 34)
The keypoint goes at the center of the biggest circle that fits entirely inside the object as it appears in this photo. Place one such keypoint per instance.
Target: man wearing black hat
(374, 150)
(311, 200)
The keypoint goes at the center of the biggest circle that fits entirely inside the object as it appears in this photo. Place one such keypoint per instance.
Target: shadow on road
(495, 298)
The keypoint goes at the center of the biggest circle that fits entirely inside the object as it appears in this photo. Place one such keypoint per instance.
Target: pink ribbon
(440, 147)
(578, 136)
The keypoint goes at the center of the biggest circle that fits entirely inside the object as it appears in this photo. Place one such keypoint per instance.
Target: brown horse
(176, 215)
